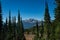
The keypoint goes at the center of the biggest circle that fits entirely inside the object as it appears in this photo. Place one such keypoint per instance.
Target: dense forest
(48, 30)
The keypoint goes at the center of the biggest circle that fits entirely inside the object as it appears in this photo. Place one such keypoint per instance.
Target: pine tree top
(57, 11)
(47, 15)
(19, 16)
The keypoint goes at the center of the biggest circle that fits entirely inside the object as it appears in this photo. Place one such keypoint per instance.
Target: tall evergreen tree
(19, 37)
(10, 27)
(6, 25)
(53, 31)
(14, 27)
(5, 30)
(37, 30)
(57, 20)
(20, 28)
(47, 28)
(1, 23)
(57, 11)
(42, 30)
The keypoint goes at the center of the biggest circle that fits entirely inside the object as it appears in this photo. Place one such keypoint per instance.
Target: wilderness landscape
(29, 19)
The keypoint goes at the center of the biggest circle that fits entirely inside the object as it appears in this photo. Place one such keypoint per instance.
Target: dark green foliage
(57, 20)
(53, 31)
(11, 30)
(6, 25)
(20, 28)
(1, 23)
(47, 15)
(5, 30)
(14, 28)
(57, 32)
(9, 27)
(37, 29)
(37, 34)
(57, 11)
(42, 29)
(47, 24)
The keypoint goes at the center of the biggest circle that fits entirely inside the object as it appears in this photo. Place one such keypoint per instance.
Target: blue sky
(28, 8)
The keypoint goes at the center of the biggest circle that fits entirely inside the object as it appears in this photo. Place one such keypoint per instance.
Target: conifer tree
(1, 23)
(5, 30)
(9, 27)
(47, 28)
(37, 30)
(6, 25)
(20, 28)
(57, 20)
(14, 27)
(57, 11)
(42, 29)
(53, 31)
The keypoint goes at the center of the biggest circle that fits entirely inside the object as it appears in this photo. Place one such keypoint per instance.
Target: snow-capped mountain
(30, 23)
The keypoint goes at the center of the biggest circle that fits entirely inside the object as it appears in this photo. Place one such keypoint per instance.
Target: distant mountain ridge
(30, 23)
